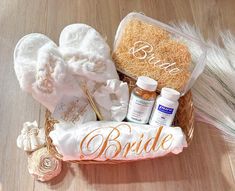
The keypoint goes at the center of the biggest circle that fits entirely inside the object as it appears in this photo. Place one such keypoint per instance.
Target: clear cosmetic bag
(145, 46)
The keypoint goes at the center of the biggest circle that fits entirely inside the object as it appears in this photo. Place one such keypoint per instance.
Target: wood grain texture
(208, 164)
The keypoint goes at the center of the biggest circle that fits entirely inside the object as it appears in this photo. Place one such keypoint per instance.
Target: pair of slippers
(50, 72)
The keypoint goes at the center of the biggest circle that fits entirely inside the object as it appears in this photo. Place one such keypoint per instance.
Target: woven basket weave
(184, 118)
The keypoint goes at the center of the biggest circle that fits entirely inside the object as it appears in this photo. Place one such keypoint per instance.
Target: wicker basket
(184, 118)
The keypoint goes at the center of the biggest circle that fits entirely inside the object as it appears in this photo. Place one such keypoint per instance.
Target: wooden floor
(207, 165)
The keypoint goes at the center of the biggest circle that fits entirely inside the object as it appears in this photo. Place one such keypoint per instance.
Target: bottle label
(162, 115)
(164, 109)
(139, 109)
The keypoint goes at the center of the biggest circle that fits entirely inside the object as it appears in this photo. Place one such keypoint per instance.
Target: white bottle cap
(146, 83)
(170, 94)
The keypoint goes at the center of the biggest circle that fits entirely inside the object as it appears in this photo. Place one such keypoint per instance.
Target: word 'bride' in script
(144, 51)
(115, 144)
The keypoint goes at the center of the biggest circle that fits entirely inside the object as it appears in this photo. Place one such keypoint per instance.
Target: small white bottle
(165, 107)
(142, 100)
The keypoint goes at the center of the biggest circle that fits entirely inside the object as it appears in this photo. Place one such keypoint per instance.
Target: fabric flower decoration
(43, 166)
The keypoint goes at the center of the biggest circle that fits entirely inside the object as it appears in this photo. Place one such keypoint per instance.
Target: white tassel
(214, 91)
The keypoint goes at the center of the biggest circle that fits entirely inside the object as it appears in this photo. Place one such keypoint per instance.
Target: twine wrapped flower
(43, 166)
(31, 138)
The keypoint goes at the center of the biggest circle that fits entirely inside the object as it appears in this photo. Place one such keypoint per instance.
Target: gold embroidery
(156, 138)
(165, 140)
(127, 148)
(109, 146)
(74, 111)
(147, 144)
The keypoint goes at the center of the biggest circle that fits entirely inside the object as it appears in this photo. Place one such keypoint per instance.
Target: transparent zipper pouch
(146, 47)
